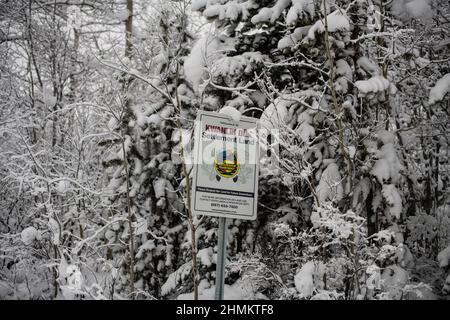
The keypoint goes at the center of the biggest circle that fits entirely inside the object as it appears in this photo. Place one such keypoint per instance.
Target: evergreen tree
(145, 169)
(317, 72)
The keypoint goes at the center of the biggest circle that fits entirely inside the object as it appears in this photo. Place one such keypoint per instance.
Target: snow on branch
(136, 74)
(382, 34)
(441, 88)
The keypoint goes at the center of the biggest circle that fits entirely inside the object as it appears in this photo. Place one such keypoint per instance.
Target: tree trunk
(127, 113)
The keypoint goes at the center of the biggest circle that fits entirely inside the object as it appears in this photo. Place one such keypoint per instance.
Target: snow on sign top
(226, 158)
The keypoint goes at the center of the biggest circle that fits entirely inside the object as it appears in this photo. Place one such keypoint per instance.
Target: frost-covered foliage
(440, 89)
(49, 153)
(95, 124)
(145, 184)
(327, 82)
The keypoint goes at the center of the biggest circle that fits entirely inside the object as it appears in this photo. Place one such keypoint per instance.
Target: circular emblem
(226, 163)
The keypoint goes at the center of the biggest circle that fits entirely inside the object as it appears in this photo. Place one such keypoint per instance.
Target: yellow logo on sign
(226, 163)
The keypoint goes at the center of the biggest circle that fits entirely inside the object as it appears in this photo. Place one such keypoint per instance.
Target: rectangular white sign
(226, 159)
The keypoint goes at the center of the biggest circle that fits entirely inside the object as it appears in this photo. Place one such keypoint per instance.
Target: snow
(149, 245)
(205, 256)
(112, 124)
(205, 51)
(232, 113)
(198, 4)
(122, 14)
(340, 225)
(264, 15)
(374, 85)
(292, 39)
(274, 116)
(344, 69)
(374, 277)
(446, 286)
(140, 33)
(228, 69)
(159, 187)
(361, 192)
(110, 236)
(196, 62)
(351, 151)
(127, 146)
(231, 11)
(336, 21)
(387, 166)
(397, 234)
(330, 185)
(176, 277)
(140, 226)
(166, 112)
(393, 280)
(240, 290)
(324, 295)
(444, 257)
(63, 186)
(137, 167)
(96, 292)
(71, 280)
(419, 9)
(368, 66)
(28, 235)
(53, 225)
(74, 16)
(74, 277)
(441, 88)
(154, 119)
(271, 14)
(47, 96)
(287, 89)
(407, 9)
(309, 278)
(306, 131)
(385, 136)
(392, 197)
(298, 8)
(404, 255)
(344, 73)
(235, 11)
(215, 10)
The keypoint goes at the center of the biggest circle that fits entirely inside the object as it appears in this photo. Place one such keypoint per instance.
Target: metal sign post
(221, 258)
(225, 181)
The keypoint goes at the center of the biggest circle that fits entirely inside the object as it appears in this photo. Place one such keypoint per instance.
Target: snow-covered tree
(97, 104)
(146, 178)
(322, 74)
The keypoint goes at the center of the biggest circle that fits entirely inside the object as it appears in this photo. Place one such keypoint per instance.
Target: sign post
(225, 182)
(221, 257)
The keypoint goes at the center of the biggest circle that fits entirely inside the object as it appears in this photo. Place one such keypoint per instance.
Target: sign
(226, 158)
